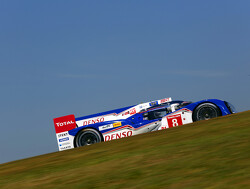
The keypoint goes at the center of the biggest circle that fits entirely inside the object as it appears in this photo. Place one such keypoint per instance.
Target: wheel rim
(87, 138)
(206, 113)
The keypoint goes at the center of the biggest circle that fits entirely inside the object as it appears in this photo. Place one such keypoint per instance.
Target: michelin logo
(104, 127)
(64, 139)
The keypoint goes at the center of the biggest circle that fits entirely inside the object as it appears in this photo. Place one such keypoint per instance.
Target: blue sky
(84, 57)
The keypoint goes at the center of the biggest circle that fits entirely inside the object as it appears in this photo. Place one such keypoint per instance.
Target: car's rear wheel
(206, 111)
(87, 137)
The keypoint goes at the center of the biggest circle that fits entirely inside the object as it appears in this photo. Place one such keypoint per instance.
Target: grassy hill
(205, 154)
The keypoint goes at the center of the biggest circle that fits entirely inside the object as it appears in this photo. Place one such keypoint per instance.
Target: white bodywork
(183, 116)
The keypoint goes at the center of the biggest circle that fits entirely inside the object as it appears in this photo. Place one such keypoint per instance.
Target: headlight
(230, 107)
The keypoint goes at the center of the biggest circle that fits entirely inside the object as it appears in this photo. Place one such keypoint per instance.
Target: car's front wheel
(87, 137)
(206, 111)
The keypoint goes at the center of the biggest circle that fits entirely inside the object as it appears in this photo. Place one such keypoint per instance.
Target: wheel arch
(102, 138)
(205, 102)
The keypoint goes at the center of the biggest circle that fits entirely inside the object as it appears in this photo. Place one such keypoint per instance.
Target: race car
(156, 115)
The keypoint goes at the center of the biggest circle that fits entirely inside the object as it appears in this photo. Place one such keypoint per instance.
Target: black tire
(206, 111)
(87, 137)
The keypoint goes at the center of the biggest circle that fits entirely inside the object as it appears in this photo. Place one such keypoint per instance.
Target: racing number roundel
(174, 120)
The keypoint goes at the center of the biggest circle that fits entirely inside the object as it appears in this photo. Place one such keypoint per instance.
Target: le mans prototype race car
(156, 115)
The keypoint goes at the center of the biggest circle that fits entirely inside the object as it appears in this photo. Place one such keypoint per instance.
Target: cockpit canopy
(159, 111)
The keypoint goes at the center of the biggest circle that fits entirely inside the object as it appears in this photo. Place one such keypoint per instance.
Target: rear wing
(62, 126)
(64, 123)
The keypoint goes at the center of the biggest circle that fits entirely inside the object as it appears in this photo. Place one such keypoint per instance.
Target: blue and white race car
(156, 115)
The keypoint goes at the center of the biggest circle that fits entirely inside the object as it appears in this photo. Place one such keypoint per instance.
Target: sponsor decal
(118, 135)
(63, 144)
(104, 127)
(64, 139)
(143, 106)
(65, 147)
(174, 120)
(117, 124)
(153, 103)
(132, 111)
(93, 121)
(62, 135)
(165, 100)
(126, 113)
(64, 123)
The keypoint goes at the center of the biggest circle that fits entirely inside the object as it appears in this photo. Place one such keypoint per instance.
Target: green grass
(205, 154)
